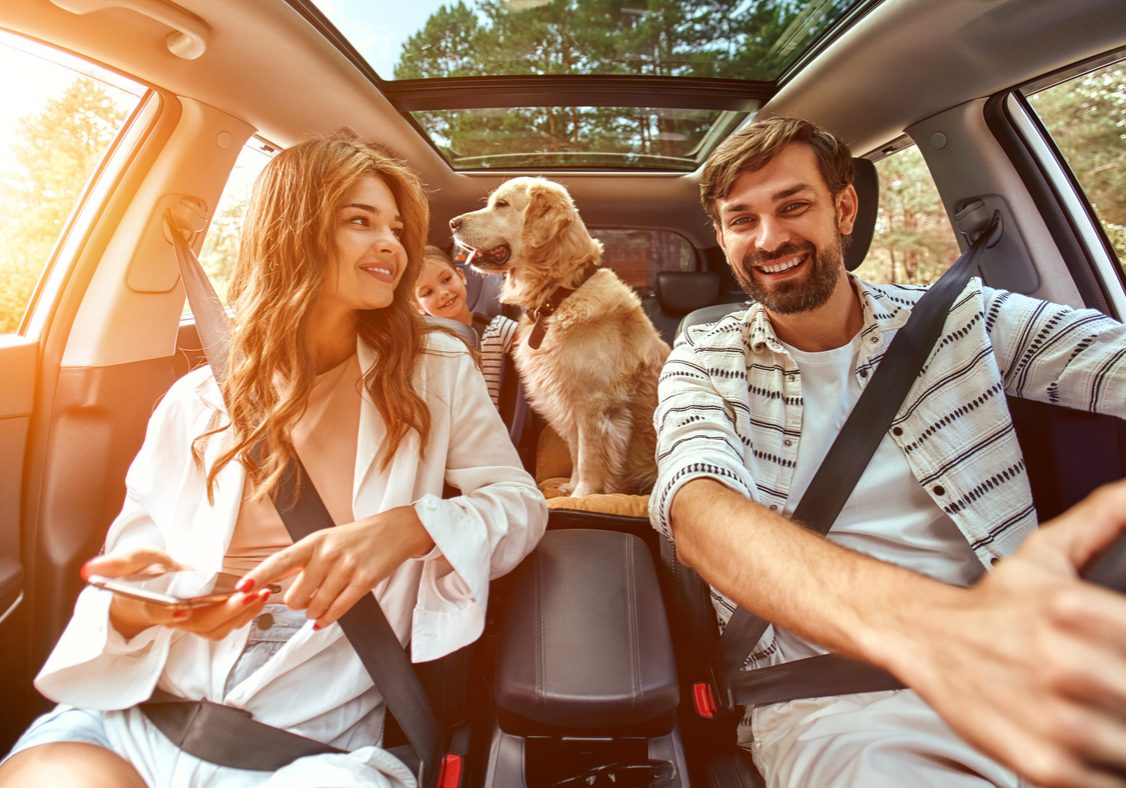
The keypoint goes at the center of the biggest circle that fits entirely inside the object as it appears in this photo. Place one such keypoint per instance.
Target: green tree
(54, 155)
(702, 38)
(1087, 120)
(447, 45)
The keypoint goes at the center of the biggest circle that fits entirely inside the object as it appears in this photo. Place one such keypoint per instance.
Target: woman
(440, 291)
(329, 361)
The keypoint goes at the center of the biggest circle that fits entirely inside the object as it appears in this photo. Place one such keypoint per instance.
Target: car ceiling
(900, 63)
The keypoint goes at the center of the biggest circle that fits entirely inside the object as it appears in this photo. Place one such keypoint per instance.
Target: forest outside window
(57, 120)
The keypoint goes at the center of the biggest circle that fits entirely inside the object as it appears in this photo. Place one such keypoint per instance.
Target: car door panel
(17, 391)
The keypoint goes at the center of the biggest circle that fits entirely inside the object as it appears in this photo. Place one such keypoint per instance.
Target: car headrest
(867, 185)
(465, 332)
(482, 292)
(679, 292)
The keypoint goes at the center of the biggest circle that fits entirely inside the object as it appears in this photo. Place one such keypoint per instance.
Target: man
(1023, 661)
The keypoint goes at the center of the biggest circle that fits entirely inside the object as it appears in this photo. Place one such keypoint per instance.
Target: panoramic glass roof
(533, 84)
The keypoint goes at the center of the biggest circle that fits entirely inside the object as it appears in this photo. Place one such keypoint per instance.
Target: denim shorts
(273, 627)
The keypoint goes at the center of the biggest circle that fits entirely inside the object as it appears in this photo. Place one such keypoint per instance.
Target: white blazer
(316, 685)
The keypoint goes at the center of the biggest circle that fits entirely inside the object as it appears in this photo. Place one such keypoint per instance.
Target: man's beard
(803, 295)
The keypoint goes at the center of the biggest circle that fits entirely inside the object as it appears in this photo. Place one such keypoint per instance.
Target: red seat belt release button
(449, 773)
(705, 699)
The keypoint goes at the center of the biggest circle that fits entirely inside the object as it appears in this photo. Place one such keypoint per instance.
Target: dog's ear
(547, 215)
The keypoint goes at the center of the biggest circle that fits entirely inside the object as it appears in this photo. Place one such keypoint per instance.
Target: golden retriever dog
(585, 350)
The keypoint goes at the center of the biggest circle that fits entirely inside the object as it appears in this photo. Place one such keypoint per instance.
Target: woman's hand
(335, 567)
(131, 616)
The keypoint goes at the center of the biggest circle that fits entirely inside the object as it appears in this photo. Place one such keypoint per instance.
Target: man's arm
(1029, 665)
(1056, 354)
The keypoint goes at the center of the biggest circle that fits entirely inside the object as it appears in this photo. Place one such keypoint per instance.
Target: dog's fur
(594, 377)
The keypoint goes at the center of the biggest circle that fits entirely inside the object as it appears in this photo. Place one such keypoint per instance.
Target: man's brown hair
(751, 148)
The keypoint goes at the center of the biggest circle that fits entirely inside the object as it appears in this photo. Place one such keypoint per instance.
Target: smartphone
(175, 590)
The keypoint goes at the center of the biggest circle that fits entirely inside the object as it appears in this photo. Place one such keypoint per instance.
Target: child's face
(440, 291)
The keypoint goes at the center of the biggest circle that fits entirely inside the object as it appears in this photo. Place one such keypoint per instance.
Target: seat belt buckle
(449, 772)
(713, 698)
(704, 697)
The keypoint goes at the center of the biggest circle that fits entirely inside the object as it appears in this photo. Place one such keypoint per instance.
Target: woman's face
(440, 291)
(370, 258)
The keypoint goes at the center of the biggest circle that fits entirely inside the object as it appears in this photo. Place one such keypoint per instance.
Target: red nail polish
(316, 627)
(85, 572)
(249, 600)
(264, 594)
(180, 615)
(245, 585)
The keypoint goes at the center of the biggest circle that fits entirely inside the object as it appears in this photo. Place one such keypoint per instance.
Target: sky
(379, 29)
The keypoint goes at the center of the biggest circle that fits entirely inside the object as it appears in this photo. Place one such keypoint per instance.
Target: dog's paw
(581, 490)
(567, 488)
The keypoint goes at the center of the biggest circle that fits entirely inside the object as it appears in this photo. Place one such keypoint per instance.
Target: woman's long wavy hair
(287, 244)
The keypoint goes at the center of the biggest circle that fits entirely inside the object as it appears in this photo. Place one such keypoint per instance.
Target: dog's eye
(500, 204)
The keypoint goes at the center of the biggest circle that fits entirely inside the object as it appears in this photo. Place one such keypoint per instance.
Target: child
(440, 291)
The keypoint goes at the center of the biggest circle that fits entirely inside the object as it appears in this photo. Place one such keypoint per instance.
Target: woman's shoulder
(195, 390)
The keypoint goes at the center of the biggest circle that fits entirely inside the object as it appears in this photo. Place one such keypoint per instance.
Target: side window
(637, 255)
(57, 120)
(220, 247)
(914, 242)
(1086, 117)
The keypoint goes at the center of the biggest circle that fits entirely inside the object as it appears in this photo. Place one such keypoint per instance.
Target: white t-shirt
(888, 515)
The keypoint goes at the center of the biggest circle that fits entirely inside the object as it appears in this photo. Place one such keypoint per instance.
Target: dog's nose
(455, 223)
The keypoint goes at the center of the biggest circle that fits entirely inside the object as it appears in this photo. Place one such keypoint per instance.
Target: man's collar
(879, 312)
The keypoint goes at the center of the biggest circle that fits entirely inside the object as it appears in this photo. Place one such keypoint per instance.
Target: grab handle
(188, 39)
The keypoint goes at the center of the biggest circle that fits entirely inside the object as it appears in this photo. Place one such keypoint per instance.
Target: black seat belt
(845, 462)
(365, 624)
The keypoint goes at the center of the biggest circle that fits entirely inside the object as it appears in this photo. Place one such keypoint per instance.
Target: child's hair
(437, 254)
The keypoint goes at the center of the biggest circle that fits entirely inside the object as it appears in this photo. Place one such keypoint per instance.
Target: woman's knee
(68, 763)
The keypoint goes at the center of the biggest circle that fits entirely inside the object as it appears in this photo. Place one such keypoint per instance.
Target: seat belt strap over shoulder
(365, 624)
(845, 462)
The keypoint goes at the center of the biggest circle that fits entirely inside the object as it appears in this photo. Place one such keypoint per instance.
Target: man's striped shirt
(730, 405)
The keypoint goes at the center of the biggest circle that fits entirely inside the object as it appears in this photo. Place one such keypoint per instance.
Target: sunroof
(740, 39)
(587, 137)
(675, 76)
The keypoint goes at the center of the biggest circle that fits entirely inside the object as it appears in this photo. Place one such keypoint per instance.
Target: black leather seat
(676, 294)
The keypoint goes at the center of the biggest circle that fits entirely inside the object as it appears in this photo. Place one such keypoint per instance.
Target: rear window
(637, 255)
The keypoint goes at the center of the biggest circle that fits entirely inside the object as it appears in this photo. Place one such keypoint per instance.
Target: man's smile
(785, 265)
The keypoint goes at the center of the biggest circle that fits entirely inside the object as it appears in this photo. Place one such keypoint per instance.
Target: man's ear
(847, 206)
